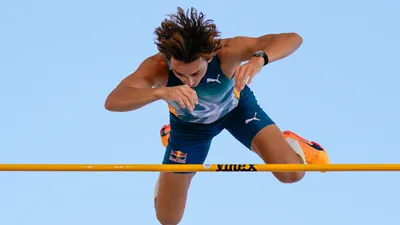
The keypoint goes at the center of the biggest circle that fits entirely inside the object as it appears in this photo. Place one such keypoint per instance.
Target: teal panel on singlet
(215, 93)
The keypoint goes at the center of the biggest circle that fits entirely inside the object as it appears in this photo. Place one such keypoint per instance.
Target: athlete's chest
(213, 84)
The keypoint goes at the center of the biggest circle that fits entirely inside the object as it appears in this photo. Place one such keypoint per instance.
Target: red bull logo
(178, 156)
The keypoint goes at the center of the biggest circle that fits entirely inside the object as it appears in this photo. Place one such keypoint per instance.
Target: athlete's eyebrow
(189, 74)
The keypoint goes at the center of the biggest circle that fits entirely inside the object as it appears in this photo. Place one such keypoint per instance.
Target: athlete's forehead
(187, 69)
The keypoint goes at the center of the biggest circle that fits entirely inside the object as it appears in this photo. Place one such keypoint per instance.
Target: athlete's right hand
(184, 95)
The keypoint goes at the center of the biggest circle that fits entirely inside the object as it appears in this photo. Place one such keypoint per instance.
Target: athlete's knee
(167, 213)
(170, 197)
(289, 177)
(168, 216)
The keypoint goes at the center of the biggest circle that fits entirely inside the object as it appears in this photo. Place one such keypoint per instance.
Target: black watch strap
(263, 54)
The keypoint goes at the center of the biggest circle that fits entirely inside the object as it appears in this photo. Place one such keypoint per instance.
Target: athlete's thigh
(170, 197)
(188, 144)
(252, 126)
(248, 119)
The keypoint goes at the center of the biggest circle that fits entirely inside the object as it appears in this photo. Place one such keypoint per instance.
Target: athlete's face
(190, 73)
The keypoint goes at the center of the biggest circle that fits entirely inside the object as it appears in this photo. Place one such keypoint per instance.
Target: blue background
(60, 59)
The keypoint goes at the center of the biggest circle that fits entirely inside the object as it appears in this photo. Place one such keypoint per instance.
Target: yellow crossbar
(199, 168)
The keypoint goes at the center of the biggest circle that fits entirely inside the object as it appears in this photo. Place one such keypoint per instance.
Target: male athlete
(204, 79)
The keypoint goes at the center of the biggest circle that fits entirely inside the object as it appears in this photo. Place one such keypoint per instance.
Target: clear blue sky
(60, 59)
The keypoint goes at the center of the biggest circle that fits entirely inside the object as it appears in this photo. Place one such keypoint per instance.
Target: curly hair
(187, 36)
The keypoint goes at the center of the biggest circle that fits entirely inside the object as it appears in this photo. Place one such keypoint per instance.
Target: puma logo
(251, 119)
(214, 80)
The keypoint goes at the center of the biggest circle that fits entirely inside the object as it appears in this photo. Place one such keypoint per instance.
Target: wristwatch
(262, 54)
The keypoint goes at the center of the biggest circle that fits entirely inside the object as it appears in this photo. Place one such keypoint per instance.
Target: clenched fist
(182, 94)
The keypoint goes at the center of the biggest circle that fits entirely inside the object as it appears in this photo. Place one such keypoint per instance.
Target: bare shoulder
(226, 55)
(159, 69)
(152, 72)
(234, 47)
(228, 42)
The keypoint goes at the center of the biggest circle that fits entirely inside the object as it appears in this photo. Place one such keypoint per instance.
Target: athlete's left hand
(244, 73)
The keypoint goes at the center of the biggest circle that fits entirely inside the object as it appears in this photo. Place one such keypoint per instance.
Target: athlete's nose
(191, 82)
(186, 81)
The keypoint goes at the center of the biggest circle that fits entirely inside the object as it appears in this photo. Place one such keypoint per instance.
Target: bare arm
(277, 46)
(137, 89)
(240, 49)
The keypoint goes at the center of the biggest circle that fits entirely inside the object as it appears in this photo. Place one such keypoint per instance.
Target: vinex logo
(236, 167)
